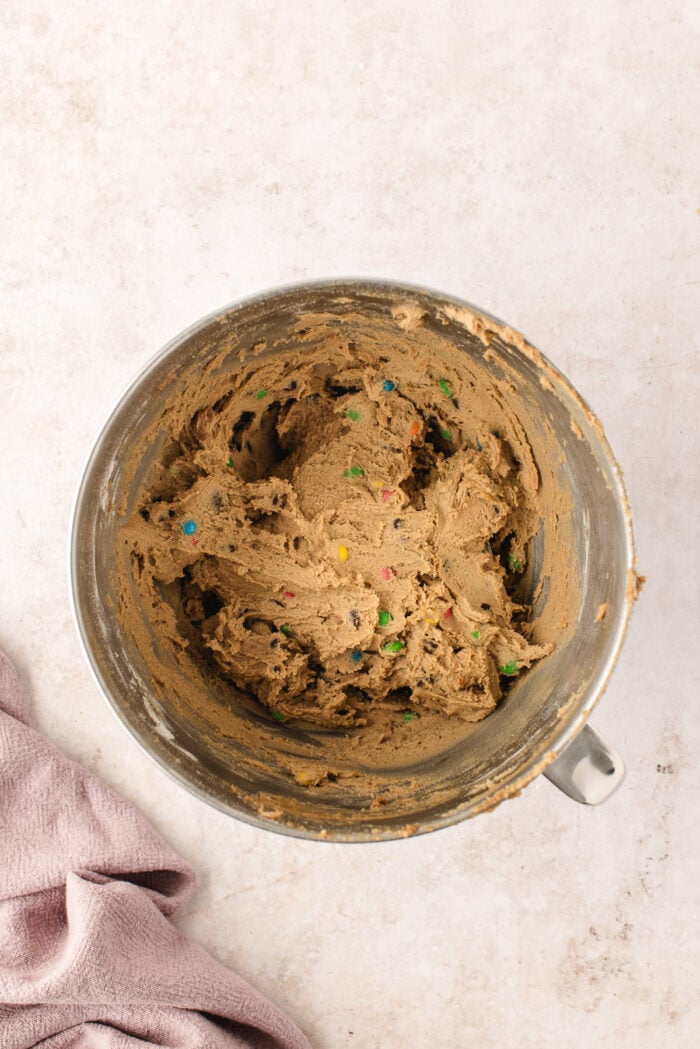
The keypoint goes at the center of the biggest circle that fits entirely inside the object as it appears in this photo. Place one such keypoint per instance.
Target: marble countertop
(538, 159)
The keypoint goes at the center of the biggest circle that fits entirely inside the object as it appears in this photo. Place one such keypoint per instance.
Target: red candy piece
(289, 593)
(387, 494)
(448, 614)
(195, 540)
(386, 574)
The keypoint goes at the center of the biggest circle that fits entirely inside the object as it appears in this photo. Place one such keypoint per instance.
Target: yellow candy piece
(343, 553)
(430, 621)
(378, 484)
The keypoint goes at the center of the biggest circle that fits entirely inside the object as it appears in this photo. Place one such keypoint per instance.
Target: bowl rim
(463, 810)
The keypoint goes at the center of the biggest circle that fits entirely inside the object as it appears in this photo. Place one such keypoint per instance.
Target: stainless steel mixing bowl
(541, 724)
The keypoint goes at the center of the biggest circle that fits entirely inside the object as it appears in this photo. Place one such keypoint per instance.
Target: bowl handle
(589, 769)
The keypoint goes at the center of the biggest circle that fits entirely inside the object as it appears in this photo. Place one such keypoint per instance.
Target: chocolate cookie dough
(341, 531)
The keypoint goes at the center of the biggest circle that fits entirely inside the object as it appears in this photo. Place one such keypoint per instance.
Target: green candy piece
(230, 461)
(393, 646)
(475, 635)
(260, 394)
(445, 388)
(407, 715)
(277, 716)
(355, 471)
(384, 618)
(514, 562)
(352, 414)
(286, 629)
(446, 435)
(509, 669)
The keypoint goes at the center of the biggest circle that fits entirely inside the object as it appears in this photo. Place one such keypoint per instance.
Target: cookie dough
(341, 530)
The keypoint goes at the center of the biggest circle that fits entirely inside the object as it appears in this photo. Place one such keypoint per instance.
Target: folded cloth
(88, 958)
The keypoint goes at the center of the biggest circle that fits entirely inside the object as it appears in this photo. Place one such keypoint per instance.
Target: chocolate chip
(397, 522)
(275, 642)
(231, 548)
(217, 501)
(355, 618)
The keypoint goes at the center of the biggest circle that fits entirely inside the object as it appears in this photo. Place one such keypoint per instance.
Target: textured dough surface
(341, 530)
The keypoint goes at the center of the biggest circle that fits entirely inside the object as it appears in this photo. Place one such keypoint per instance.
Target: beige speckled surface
(537, 159)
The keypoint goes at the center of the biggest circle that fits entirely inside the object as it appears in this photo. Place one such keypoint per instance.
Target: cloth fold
(88, 958)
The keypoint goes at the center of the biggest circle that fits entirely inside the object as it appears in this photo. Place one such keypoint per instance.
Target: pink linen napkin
(88, 958)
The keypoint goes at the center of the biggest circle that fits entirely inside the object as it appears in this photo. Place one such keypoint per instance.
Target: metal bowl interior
(497, 757)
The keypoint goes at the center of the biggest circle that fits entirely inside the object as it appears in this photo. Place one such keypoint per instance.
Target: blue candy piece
(189, 527)
(388, 386)
(356, 656)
